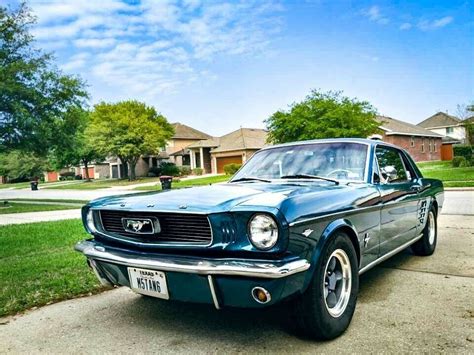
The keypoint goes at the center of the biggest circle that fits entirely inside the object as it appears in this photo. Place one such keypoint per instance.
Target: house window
(434, 144)
(412, 141)
(449, 130)
(431, 145)
(422, 145)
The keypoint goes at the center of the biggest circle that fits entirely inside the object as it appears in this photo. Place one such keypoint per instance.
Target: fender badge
(307, 232)
(183, 207)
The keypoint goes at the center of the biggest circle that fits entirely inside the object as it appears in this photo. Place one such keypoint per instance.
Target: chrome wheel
(431, 228)
(337, 283)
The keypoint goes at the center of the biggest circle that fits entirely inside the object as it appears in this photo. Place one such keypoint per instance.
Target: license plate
(148, 282)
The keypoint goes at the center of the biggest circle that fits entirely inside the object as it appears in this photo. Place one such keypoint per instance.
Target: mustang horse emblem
(137, 225)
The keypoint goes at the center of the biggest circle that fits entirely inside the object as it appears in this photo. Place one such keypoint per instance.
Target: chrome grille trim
(181, 229)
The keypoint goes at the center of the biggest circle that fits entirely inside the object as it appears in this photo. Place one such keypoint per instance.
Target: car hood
(226, 197)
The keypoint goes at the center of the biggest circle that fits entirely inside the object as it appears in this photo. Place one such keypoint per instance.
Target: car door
(399, 195)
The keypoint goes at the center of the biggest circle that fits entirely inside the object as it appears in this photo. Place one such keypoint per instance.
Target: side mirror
(389, 173)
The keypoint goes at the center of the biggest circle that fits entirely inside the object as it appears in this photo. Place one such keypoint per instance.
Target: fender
(328, 232)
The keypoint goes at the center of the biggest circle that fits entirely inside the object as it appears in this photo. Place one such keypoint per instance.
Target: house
(422, 144)
(236, 147)
(174, 151)
(445, 125)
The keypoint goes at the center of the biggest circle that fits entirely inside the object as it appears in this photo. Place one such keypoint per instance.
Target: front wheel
(326, 308)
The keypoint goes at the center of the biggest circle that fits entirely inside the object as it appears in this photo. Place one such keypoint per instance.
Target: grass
(60, 200)
(103, 184)
(38, 265)
(24, 185)
(451, 177)
(21, 207)
(189, 183)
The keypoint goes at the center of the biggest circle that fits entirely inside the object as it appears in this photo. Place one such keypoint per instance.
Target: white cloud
(151, 45)
(426, 25)
(375, 15)
(406, 26)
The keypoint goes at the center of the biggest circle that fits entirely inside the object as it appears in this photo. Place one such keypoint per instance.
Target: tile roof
(243, 138)
(391, 126)
(182, 131)
(439, 119)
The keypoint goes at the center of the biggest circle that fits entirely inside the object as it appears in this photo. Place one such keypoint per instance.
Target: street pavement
(408, 304)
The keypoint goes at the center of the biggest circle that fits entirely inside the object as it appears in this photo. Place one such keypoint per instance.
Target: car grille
(182, 228)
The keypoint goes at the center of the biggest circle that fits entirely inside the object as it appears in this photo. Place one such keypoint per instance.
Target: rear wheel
(325, 310)
(427, 244)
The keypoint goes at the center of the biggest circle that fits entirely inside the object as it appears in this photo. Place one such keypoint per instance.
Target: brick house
(423, 145)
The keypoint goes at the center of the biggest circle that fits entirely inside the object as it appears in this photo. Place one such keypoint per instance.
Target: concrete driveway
(408, 304)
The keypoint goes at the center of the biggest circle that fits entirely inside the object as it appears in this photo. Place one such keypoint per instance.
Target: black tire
(426, 245)
(310, 315)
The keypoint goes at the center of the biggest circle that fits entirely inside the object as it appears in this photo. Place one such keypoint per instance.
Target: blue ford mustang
(298, 223)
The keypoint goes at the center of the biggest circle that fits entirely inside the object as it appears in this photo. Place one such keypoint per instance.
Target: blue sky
(219, 65)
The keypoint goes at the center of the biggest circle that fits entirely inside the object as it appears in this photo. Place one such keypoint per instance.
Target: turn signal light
(261, 295)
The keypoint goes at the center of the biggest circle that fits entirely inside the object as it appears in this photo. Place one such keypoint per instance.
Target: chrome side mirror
(389, 173)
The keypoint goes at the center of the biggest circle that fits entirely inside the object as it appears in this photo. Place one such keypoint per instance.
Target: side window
(392, 168)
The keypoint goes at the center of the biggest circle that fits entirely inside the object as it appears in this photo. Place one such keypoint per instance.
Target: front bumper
(219, 281)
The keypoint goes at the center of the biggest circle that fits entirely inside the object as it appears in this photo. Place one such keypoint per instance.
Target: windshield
(341, 161)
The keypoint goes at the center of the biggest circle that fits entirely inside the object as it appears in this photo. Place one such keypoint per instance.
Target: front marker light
(90, 222)
(263, 231)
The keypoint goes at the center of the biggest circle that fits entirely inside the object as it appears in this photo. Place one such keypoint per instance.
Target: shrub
(66, 174)
(231, 169)
(464, 164)
(457, 161)
(198, 171)
(78, 177)
(154, 171)
(169, 169)
(463, 151)
(185, 170)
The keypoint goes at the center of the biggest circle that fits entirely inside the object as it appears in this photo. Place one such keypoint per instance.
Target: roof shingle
(391, 126)
(182, 131)
(439, 119)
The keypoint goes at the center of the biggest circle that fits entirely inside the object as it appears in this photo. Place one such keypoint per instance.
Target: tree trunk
(86, 167)
(132, 164)
(124, 164)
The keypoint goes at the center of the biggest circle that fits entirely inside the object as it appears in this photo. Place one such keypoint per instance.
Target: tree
(77, 147)
(34, 94)
(128, 129)
(19, 166)
(323, 115)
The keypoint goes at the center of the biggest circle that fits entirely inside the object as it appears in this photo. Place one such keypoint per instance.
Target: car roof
(369, 142)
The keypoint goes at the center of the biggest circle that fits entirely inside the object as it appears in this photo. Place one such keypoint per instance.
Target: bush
(78, 177)
(198, 171)
(231, 169)
(185, 170)
(165, 168)
(464, 164)
(169, 169)
(463, 151)
(457, 161)
(66, 174)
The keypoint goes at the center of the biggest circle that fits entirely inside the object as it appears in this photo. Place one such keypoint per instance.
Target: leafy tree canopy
(128, 129)
(34, 94)
(78, 147)
(323, 115)
(20, 166)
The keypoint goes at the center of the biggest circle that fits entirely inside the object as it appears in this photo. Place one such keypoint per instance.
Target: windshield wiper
(308, 176)
(250, 178)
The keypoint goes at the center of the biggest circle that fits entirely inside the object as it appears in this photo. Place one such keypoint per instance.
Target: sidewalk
(31, 217)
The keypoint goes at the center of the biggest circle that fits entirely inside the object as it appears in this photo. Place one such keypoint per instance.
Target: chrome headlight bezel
(266, 223)
(90, 223)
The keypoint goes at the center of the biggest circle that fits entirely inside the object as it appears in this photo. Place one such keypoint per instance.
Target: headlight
(263, 231)
(90, 222)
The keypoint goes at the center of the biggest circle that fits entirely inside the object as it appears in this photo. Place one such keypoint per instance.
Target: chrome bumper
(233, 267)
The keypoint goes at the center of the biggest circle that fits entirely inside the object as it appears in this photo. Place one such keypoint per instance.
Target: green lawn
(49, 200)
(23, 185)
(20, 207)
(103, 184)
(452, 177)
(189, 183)
(38, 265)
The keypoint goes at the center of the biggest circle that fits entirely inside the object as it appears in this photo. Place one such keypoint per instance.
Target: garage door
(221, 162)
